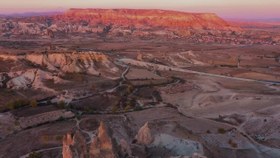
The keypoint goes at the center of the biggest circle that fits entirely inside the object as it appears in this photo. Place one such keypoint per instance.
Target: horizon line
(62, 10)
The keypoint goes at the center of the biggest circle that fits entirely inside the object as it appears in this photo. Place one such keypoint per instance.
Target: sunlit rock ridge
(151, 17)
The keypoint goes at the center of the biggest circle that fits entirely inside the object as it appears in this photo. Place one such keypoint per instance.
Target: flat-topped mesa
(148, 17)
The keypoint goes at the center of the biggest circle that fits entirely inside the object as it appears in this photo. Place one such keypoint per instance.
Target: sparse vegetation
(130, 89)
(33, 103)
(221, 130)
(46, 138)
(15, 104)
(61, 104)
(232, 143)
(58, 138)
(74, 76)
(138, 108)
(115, 109)
(127, 108)
(35, 155)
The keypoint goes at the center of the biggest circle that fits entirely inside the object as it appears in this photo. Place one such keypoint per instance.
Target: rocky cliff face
(74, 62)
(105, 145)
(84, 62)
(31, 78)
(74, 146)
(144, 135)
(35, 68)
(102, 146)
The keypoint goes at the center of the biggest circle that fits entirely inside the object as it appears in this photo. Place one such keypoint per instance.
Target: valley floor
(220, 101)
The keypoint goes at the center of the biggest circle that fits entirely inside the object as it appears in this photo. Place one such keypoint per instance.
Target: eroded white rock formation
(83, 62)
(32, 78)
(102, 145)
(144, 135)
(74, 146)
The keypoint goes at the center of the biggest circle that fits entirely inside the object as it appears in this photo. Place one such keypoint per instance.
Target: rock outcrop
(40, 67)
(23, 80)
(3, 78)
(32, 78)
(144, 135)
(105, 145)
(83, 62)
(74, 146)
(125, 148)
(102, 145)
(89, 62)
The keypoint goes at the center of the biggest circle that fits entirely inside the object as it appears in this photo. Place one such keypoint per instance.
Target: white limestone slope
(177, 145)
(84, 62)
(32, 78)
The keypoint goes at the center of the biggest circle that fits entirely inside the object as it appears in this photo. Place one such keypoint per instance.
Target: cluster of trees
(19, 103)
(35, 155)
(232, 143)
(61, 104)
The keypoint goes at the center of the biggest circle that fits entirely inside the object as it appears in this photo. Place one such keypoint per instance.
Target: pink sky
(225, 8)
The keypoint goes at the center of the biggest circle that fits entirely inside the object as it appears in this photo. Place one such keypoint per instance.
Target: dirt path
(165, 68)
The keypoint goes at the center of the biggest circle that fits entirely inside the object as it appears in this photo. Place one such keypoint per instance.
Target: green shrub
(221, 131)
(61, 104)
(138, 108)
(59, 138)
(128, 107)
(130, 89)
(33, 103)
(232, 143)
(35, 155)
(15, 104)
(115, 109)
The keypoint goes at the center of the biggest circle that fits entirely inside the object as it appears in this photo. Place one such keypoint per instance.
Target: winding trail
(121, 82)
(91, 134)
(56, 99)
(165, 68)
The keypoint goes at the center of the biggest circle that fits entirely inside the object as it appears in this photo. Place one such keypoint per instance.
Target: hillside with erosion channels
(134, 83)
